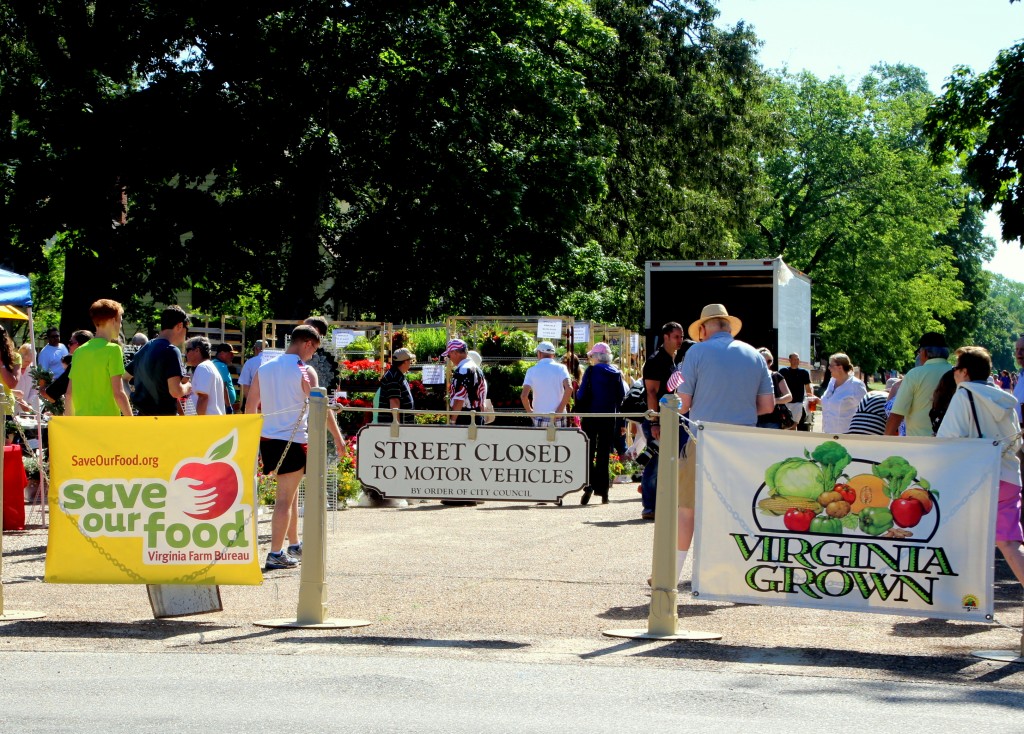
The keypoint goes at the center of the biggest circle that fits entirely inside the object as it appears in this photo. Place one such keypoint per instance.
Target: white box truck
(772, 299)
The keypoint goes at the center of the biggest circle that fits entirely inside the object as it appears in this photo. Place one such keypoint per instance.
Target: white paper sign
(500, 464)
(852, 557)
(581, 333)
(343, 337)
(433, 374)
(634, 343)
(268, 354)
(549, 329)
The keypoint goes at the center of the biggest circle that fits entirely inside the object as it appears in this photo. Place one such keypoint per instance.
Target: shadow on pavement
(411, 642)
(145, 629)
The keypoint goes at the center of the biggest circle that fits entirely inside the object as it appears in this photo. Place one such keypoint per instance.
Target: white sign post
(500, 464)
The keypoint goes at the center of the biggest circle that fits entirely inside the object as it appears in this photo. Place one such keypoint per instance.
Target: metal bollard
(662, 617)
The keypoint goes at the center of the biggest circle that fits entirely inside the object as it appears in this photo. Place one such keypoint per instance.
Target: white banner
(909, 526)
(581, 333)
(634, 343)
(500, 464)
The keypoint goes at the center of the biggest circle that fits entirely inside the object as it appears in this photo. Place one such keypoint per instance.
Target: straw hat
(714, 311)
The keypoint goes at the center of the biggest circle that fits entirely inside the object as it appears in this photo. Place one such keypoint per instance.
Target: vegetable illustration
(833, 458)
(869, 491)
(875, 520)
(780, 504)
(907, 512)
(798, 520)
(827, 525)
(839, 508)
(795, 477)
(848, 492)
(898, 475)
(826, 497)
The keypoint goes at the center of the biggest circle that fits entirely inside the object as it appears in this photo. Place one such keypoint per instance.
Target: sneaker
(279, 560)
(295, 551)
(647, 515)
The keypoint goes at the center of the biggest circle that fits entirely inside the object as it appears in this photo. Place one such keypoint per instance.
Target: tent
(15, 294)
(14, 290)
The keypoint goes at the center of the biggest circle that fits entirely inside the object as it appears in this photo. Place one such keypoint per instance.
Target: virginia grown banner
(852, 523)
(144, 500)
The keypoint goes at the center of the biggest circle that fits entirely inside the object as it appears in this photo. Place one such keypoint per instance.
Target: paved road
(131, 693)
(468, 602)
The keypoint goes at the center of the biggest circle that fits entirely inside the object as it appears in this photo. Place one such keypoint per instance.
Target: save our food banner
(154, 500)
(852, 523)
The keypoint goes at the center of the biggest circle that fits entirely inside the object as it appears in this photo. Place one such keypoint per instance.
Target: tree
(417, 154)
(682, 101)
(855, 202)
(982, 117)
(1001, 321)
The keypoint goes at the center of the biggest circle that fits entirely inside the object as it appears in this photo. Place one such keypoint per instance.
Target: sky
(845, 38)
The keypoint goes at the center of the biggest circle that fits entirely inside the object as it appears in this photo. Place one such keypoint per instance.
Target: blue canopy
(14, 289)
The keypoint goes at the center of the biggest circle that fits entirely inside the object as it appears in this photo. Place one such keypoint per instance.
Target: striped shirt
(871, 416)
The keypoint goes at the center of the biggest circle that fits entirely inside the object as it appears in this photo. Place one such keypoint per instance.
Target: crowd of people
(716, 376)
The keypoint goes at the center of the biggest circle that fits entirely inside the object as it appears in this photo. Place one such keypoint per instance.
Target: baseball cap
(403, 355)
(224, 347)
(600, 348)
(546, 348)
(454, 345)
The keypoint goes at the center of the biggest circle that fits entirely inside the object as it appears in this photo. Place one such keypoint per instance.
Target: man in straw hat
(724, 381)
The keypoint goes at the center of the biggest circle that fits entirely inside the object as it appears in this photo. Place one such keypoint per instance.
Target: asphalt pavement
(520, 583)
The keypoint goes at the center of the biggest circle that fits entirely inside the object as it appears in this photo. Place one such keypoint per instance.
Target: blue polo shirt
(724, 376)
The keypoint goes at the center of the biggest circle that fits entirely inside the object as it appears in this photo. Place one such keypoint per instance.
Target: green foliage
(360, 348)
(856, 203)
(427, 343)
(979, 116)
(1001, 322)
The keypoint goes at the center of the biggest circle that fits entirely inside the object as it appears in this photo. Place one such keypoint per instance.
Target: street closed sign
(499, 464)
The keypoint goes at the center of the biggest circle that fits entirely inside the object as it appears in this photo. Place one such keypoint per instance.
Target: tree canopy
(982, 117)
(856, 203)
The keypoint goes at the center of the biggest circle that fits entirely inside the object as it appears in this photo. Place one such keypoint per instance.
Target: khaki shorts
(688, 476)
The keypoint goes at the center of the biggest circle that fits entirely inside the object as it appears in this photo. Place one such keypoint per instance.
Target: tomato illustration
(907, 512)
(799, 521)
(848, 492)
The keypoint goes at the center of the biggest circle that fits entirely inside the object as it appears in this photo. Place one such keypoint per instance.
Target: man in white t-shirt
(207, 384)
(547, 386)
(50, 355)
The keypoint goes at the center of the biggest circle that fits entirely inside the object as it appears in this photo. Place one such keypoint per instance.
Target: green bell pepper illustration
(875, 520)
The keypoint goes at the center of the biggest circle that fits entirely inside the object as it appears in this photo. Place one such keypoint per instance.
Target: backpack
(635, 400)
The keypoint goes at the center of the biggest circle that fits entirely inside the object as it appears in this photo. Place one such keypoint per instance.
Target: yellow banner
(153, 500)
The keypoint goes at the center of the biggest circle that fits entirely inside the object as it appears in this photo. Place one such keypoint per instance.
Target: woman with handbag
(780, 417)
(601, 391)
(979, 410)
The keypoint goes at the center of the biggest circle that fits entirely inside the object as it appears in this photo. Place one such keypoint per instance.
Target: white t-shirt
(49, 358)
(547, 380)
(207, 380)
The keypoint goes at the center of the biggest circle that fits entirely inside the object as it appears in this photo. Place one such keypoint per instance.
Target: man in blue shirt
(224, 354)
(724, 381)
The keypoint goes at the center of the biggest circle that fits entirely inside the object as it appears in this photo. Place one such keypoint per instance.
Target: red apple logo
(214, 483)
